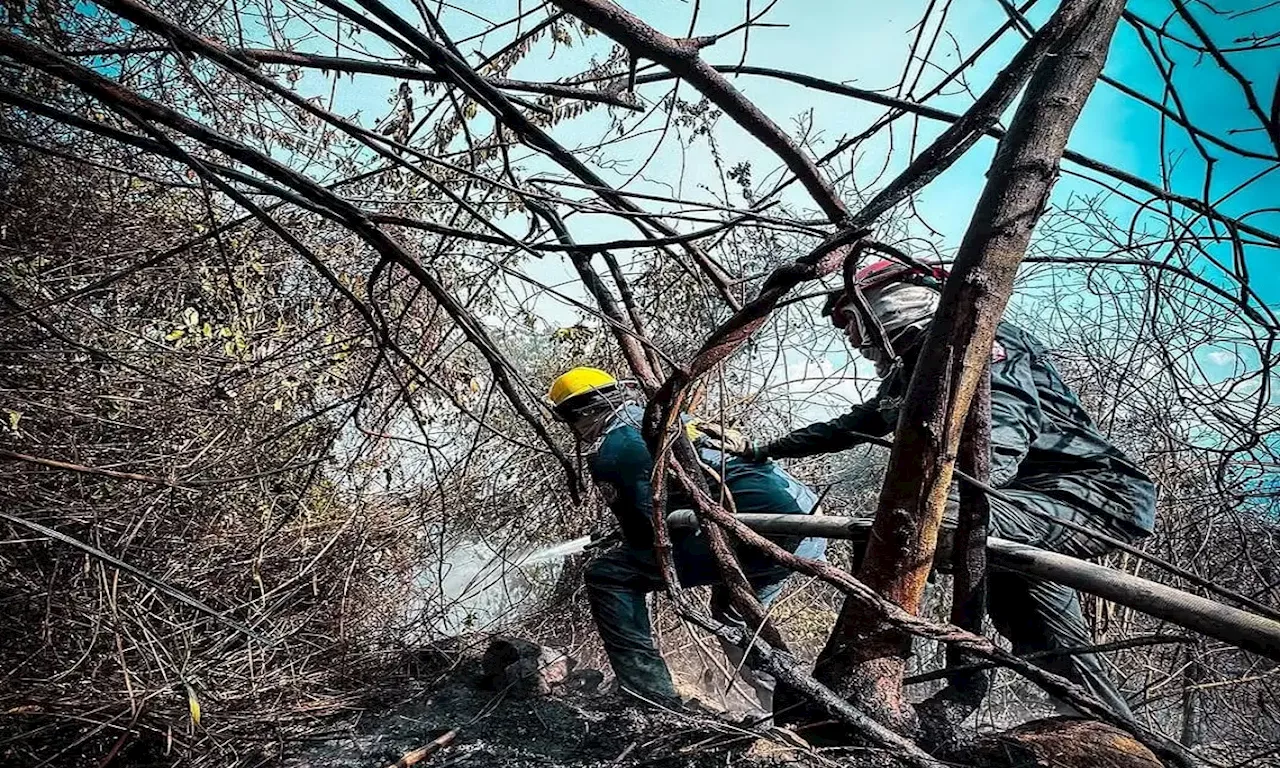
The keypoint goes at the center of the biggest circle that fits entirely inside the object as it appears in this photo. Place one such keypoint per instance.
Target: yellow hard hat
(578, 381)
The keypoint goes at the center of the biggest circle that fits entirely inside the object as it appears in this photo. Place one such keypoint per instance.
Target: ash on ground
(514, 722)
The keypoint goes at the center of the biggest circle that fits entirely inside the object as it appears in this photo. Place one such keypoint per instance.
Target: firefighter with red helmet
(1047, 458)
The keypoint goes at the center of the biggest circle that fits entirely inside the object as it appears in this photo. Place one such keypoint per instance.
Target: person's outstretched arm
(838, 434)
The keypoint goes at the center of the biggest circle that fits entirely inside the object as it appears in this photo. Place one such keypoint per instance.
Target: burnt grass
(573, 727)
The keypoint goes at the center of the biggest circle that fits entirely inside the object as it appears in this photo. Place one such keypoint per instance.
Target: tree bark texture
(865, 658)
(942, 714)
(1193, 698)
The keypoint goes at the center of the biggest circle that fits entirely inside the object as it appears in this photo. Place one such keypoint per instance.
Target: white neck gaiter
(902, 305)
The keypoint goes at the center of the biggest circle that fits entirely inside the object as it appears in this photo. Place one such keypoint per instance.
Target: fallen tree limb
(786, 669)
(421, 753)
(853, 589)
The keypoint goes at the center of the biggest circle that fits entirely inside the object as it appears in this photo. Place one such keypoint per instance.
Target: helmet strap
(869, 326)
(906, 342)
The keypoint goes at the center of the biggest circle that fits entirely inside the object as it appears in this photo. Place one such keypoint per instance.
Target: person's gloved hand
(731, 441)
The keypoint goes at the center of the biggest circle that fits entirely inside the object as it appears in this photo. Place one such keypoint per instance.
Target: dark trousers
(618, 582)
(1039, 615)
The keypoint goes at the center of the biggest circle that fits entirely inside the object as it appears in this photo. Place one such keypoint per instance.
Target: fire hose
(1228, 624)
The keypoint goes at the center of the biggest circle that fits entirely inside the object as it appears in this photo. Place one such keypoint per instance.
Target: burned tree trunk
(942, 713)
(1063, 743)
(865, 657)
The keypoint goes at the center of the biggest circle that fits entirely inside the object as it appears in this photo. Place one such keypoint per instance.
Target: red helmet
(885, 271)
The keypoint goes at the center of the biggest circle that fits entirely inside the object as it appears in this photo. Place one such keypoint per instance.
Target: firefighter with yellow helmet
(606, 415)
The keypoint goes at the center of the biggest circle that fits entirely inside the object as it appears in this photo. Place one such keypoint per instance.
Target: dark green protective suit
(1047, 456)
(618, 580)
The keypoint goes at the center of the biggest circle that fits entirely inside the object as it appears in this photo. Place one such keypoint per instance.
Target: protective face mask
(591, 426)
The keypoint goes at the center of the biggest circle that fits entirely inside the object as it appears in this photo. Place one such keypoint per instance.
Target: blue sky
(867, 45)
(868, 48)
